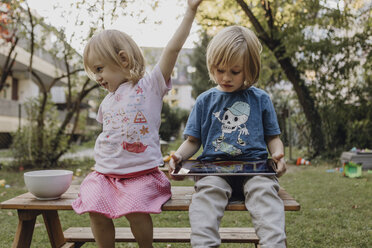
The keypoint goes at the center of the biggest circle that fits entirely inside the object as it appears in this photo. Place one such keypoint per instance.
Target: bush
(171, 121)
(25, 147)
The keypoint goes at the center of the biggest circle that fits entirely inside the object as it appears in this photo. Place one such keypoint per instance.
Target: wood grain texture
(174, 235)
(180, 201)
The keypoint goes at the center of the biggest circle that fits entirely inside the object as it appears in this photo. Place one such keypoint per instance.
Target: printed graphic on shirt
(136, 133)
(106, 145)
(233, 122)
(136, 147)
(118, 97)
(139, 90)
(140, 118)
(226, 148)
(129, 122)
(133, 138)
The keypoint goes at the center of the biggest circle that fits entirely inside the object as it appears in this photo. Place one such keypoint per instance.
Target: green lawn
(335, 211)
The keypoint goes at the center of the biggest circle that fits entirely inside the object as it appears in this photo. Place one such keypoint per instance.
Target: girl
(126, 181)
(234, 121)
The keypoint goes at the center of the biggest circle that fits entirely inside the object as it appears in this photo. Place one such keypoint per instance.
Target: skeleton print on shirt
(233, 121)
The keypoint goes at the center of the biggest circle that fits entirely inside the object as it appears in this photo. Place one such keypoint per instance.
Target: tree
(8, 17)
(358, 116)
(47, 143)
(172, 119)
(289, 29)
(200, 81)
(47, 139)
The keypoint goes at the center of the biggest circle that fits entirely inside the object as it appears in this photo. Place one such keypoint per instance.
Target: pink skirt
(115, 197)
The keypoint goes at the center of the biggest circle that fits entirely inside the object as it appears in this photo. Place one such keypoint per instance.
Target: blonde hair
(107, 44)
(232, 44)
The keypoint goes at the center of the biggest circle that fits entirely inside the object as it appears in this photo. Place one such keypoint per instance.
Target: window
(15, 89)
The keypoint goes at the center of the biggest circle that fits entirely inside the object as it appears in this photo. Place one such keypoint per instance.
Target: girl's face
(107, 75)
(230, 78)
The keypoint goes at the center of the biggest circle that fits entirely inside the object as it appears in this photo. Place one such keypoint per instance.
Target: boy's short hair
(107, 44)
(231, 44)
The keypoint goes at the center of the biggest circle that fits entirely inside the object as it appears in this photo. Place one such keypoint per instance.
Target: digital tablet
(225, 168)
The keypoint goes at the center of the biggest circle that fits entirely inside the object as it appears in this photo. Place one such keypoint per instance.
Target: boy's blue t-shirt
(233, 125)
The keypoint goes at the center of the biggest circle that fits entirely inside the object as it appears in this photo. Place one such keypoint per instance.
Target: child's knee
(98, 217)
(262, 184)
(135, 218)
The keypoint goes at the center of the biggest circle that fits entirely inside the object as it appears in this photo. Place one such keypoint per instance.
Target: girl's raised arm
(170, 53)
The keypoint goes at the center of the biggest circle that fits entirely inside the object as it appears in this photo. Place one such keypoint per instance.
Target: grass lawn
(335, 211)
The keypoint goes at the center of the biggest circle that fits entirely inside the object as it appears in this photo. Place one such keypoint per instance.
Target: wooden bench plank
(181, 198)
(170, 235)
(68, 245)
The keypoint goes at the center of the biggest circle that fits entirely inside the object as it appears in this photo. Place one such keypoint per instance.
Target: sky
(169, 12)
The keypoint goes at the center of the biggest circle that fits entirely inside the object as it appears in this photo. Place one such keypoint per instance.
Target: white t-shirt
(131, 118)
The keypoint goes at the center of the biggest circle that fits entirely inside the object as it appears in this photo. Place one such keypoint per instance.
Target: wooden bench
(181, 198)
(29, 208)
(80, 235)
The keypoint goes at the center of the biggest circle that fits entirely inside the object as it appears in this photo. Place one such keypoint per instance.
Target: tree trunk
(292, 73)
(75, 110)
(307, 103)
(8, 64)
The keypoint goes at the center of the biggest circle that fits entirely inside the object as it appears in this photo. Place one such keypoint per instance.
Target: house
(180, 94)
(20, 86)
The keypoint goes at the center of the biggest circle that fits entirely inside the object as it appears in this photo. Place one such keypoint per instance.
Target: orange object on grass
(302, 161)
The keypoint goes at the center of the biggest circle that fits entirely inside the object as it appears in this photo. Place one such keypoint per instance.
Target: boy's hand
(193, 4)
(280, 163)
(176, 159)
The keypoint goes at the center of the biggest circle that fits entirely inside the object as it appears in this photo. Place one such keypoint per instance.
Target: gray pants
(261, 199)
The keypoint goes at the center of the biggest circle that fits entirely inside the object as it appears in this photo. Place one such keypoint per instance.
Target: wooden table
(28, 208)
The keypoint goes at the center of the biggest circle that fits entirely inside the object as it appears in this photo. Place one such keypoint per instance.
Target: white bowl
(48, 184)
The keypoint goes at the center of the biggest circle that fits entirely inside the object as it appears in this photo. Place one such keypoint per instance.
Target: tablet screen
(226, 168)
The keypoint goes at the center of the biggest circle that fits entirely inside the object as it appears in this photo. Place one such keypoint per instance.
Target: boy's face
(230, 78)
(107, 75)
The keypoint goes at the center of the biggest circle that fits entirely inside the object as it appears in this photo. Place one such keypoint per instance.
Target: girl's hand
(280, 163)
(176, 159)
(193, 4)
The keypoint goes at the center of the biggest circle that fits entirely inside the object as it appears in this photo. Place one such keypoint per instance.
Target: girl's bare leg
(103, 230)
(142, 228)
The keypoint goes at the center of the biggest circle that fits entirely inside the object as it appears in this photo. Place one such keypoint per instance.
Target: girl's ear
(123, 58)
